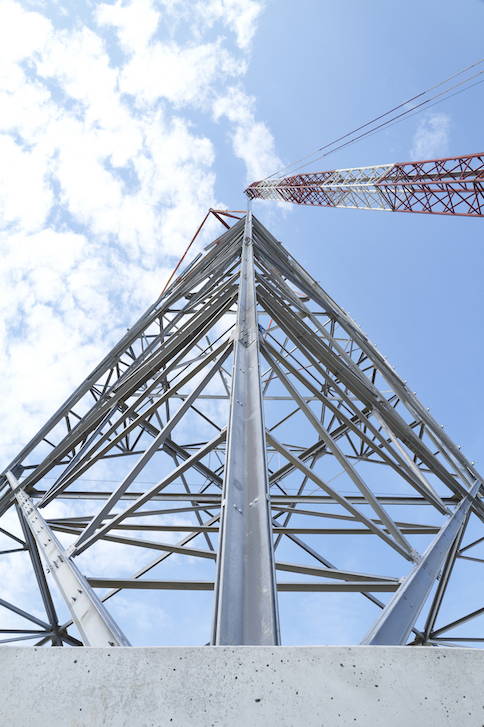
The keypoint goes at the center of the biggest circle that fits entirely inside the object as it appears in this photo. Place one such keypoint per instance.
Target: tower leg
(245, 599)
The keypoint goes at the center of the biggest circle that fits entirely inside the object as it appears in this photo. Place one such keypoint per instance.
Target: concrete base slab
(316, 686)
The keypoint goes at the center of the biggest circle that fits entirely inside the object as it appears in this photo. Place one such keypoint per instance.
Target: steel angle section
(146, 496)
(283, 260)
(245, 601)
(114, 433)
(141, 375)
(400, 614)
(95, 625)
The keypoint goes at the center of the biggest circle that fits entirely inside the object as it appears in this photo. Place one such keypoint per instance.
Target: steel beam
(300, 277)
(152, 449)
(94, 623)
(245, 600)
(288, 587)
(214, 498)
(402, 611)
(405, 547)
(40, 577)
(146, 496)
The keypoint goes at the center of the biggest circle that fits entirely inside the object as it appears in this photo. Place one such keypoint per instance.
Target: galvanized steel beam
(396, 621)
(245, 600)
(95, 625)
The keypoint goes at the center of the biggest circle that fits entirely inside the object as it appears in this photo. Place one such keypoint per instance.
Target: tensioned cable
(368, 123)
(414, 113)
(399, 117)
(411, 111)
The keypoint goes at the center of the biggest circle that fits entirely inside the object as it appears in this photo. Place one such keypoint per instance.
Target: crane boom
(451, 186)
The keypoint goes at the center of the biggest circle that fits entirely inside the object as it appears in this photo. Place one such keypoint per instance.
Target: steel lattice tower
(277, 435)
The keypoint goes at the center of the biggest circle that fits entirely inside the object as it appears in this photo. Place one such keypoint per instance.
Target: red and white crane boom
(452, 186)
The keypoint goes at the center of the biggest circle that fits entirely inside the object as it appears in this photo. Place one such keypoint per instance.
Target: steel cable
(417, 108)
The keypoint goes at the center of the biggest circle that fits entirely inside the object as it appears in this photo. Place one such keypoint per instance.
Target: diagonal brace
(401, 612)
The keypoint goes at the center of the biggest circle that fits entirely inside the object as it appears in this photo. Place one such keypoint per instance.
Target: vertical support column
(245, 593)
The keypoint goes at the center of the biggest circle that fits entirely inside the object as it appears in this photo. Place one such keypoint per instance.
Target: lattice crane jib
(451, 186)
(243, 438)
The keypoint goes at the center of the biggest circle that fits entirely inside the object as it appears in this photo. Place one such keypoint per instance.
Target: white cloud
(96, 190)
(240, 15)
(243, 15)
(180, 75)
(25, 195)
(106, 171)
(136, 22)
(431, 139)
(21, 32)
(251, 139)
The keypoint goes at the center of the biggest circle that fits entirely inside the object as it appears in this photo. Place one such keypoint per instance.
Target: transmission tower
(246, 437)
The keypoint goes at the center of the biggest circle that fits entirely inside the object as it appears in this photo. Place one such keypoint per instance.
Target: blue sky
(123, 122)
(413, 282)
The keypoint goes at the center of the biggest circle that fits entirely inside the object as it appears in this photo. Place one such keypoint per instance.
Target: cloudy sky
(110, 115)
(122, 122)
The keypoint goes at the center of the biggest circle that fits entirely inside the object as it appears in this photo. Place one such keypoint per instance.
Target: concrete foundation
(332, 686)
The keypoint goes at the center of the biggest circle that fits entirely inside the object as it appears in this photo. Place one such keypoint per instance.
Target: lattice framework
(453, 186)
(273, 429)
